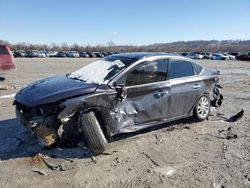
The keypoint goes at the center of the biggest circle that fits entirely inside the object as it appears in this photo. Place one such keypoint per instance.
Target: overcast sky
(123, 21)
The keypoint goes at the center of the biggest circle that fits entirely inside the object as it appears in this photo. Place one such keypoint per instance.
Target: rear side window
(149, 72)
(3, 50)
(197, 68)
(180, 68)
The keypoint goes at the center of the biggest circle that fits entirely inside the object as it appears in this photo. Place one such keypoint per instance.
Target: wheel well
(100, 118)
(204, 93)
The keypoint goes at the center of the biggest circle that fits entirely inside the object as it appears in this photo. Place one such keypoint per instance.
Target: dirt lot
(180, 154)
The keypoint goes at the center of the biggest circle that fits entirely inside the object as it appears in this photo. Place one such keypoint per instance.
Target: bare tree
(179, 46)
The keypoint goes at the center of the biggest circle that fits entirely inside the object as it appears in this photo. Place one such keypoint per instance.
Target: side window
(180, 68)
(3, 50)
(197, 68)
(149, 72)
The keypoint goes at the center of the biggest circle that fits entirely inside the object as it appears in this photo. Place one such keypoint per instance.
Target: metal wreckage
(118, 94)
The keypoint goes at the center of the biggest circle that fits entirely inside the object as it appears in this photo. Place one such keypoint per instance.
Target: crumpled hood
(53, 89)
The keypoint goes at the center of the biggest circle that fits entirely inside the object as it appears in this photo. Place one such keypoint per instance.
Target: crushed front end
(43, 121)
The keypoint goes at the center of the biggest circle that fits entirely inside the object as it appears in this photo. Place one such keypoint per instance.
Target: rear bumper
(7, 67)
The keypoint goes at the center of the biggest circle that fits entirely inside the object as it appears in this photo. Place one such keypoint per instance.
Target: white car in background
(220, 56)
(231, 57)
(41, 54)
(194, 55)
(74, 54)
(52, 54)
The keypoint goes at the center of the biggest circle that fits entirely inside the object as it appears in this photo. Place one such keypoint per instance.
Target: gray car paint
(148, 104)
(145, 105)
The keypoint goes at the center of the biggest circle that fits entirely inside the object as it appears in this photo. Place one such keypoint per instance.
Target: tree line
(180, 46)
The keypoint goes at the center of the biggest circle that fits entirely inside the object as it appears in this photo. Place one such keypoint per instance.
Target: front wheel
(93, 133)
(202, 108)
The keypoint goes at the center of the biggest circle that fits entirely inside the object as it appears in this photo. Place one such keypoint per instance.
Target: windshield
(100, 71)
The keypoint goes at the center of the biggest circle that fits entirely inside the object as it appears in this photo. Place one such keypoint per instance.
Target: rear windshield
(3, 50)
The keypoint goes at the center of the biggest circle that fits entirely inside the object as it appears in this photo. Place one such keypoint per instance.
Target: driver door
(148, 95)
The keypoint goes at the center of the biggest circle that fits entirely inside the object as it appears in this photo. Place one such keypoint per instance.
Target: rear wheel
(202, 109)
(93, 133)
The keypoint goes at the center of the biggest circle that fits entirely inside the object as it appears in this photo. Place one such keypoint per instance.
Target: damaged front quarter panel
(103, 102)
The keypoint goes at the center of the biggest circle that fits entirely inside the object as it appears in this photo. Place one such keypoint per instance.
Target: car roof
(141, 55)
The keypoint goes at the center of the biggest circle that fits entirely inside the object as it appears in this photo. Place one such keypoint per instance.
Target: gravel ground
(185, 153)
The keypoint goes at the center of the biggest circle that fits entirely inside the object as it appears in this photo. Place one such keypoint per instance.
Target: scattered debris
(41, 172)
(60, 164)
(247, 178)
(236, 117)
(6, 87)
(225, 134)
(159, 139)
(233, 118)
(160, 178)
(106, 153)
(8, 96)
(37, 159)
(2, 78)
(155, 163)
(93, 159)
(46, 136)
(166, 171)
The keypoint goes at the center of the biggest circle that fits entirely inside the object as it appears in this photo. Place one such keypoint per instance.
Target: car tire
(93, 133)
(202, 108)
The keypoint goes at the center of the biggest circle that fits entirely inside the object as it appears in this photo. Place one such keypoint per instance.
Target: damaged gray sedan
(117, 94)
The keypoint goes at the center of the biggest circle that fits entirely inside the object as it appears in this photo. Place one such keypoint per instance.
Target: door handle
(161, 93)
(196, 86)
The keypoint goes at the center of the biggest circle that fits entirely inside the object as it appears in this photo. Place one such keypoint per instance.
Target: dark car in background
(61, 54)
(19, 53)
(6, 59)
(244, 57)
(83, 54)
(117, 94)
(99, 54)
(33, 53)
(91, 54)
(104, 54)
(234, 53)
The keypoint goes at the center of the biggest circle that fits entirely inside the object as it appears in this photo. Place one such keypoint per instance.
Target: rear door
(147, 94)
(185, 86)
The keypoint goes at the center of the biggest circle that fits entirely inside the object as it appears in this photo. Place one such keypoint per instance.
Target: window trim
(141, 64)
(145, 85)
(172, 60)
(202, 70)
(112, 82)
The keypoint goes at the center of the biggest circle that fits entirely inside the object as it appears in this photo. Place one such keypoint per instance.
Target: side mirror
(121, 92)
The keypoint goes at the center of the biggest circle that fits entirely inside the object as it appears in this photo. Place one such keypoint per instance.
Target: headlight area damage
(65, 122)
(43, 121)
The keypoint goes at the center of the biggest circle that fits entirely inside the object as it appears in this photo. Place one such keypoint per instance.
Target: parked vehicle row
(85, 54)
(217, 56)
(73, 54)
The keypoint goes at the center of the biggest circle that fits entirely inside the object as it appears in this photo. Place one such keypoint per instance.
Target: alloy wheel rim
(203, 107)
